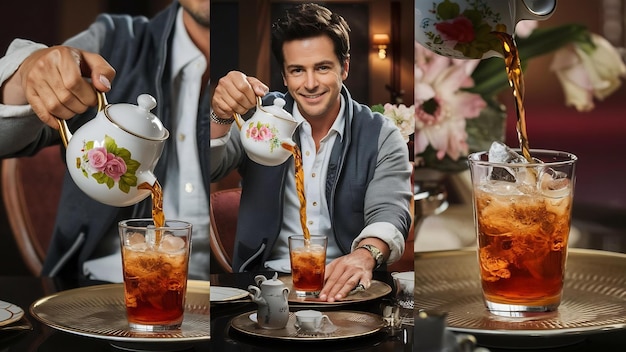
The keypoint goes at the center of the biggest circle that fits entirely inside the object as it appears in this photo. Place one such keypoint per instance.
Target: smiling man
(355, 162)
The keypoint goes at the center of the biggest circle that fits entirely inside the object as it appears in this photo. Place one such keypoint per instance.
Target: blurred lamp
(380, 42)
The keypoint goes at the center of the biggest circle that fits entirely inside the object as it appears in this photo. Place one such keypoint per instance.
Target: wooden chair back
(31, 189)
(224, 209)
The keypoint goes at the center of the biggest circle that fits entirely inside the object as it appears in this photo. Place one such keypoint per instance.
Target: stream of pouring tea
(158, 217)
(516, 80)
(297, 155)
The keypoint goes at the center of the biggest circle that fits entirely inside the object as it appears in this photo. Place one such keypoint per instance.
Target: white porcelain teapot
(109, 156)
(462, 29)
(267, 135)
(271, 297)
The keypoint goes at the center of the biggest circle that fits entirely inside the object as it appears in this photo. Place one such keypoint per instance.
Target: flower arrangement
(108, 164)
(263, 132)
(456, 110)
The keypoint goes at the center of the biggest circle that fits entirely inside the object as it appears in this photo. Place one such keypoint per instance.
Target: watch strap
(376, 253)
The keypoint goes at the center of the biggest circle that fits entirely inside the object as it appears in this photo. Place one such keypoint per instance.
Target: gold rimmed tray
(99, 312)
(594, 297)
(348, 324)
(376, 290)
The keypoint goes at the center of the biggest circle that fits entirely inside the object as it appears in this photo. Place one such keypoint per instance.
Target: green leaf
(132, 166)
(123, 153)
(129, 179)
(101, 178)
(89, 145)
(124, 187)
(109, 144)
(448, 10)
(378, 108)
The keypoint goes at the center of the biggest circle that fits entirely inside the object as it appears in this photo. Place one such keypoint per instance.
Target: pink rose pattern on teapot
(263, 132)
(468, 32)
(108, 164)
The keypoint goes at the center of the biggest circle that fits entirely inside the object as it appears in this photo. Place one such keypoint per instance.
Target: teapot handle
(64, 131)
(238, 118)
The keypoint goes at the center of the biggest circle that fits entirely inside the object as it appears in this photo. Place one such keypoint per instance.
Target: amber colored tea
(299, 172)
(308, 263)
(522, 241)
(155, 274)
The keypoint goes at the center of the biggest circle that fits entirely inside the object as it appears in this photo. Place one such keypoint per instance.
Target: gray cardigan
(368, 181)
(138, 49)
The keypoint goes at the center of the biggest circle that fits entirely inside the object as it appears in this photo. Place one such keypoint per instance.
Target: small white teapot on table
(271, 298)
(266, 136)
(112, 154)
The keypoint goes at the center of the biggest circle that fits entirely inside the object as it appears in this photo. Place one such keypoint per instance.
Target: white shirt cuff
(218, 142)
(385, 232)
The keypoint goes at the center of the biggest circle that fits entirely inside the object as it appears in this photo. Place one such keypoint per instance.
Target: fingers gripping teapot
(109, 156)
(266, 137)
(462, 29)
(271, 298)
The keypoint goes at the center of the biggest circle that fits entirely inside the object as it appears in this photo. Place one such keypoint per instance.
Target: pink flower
(586, 73)
(441, 105)
(459, 29)
(115, 167)
(253, 133)
(265, 133)
(97, 158)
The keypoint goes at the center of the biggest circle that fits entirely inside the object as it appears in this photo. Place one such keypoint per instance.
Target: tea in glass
(308, 264)
(155, 264)
(522, 216)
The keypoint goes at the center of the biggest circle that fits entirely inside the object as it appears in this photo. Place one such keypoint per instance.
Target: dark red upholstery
(31, 188)
(224, 209)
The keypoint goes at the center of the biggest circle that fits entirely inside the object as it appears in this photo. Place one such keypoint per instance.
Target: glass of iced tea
(308, 262)
(522, 214)
(155, 262)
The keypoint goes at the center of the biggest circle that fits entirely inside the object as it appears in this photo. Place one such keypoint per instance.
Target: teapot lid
(277, 109)
(137, 119)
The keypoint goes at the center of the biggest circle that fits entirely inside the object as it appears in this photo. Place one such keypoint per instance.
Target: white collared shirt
(315, 167)
(184, 196)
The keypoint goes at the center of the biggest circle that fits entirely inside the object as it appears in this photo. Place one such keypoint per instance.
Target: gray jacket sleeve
(386, 197)
(21, 131)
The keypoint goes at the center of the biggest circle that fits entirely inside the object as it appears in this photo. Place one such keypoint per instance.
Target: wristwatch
(375, 252)
(220, 121)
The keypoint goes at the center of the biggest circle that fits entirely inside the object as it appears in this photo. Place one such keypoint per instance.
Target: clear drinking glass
(155, 264)
(308, 263)
(522, 214)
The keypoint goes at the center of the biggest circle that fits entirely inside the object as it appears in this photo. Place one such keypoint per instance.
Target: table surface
(23, 291)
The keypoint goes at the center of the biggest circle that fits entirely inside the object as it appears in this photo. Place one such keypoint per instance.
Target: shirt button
(307, 153)
(188, 187)
(181, 137)
(313, 174)
(310, 222)
(314, 204)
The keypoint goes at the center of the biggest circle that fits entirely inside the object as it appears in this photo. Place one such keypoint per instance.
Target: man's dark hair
(307, 21)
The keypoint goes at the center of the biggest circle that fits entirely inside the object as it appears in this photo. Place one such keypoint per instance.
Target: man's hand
(345, 273)
(52, 82)
(236, 93)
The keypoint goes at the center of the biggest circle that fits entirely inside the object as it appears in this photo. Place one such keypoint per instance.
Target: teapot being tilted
(112, 154)
(266, 137)
(462, 29)
(271, 298)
